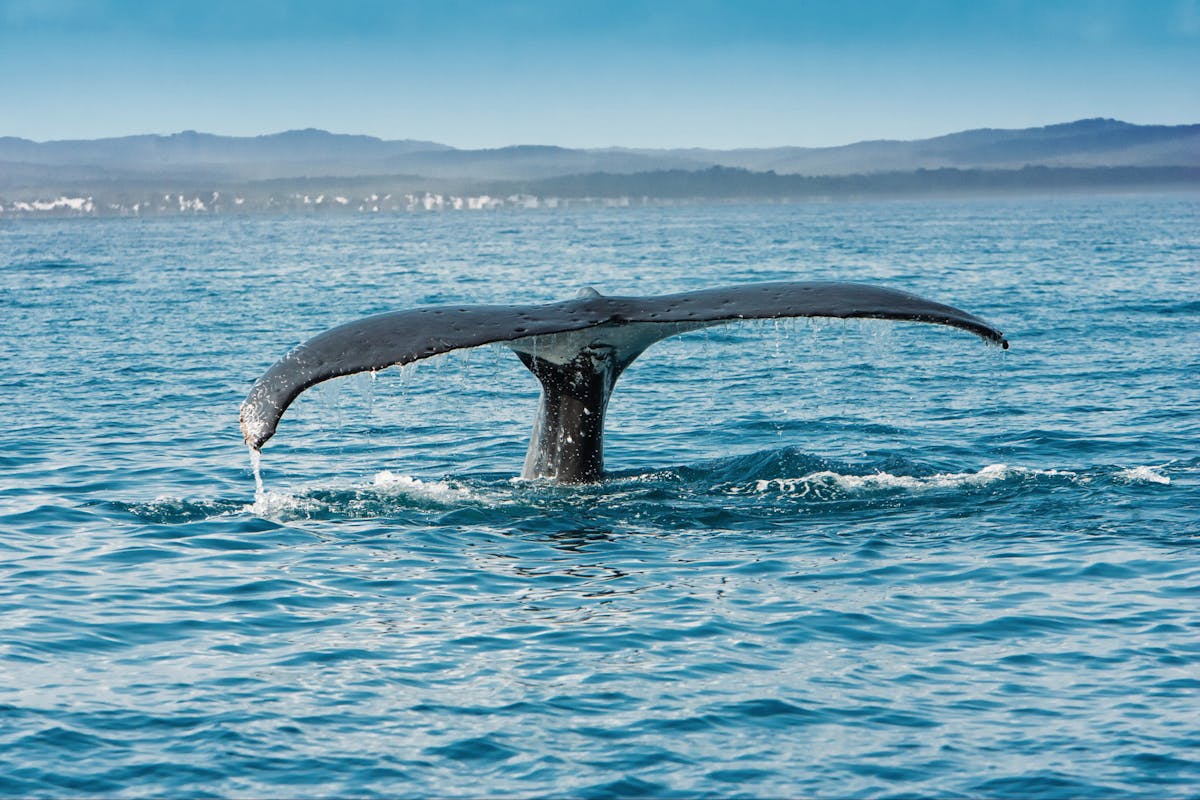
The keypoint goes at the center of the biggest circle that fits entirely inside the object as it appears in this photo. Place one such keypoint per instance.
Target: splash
(387, 494)
(283, 505)
(1144, 475)
(827, 483)
(439, 492)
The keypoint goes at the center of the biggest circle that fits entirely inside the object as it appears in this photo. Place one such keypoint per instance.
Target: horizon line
(311, 129)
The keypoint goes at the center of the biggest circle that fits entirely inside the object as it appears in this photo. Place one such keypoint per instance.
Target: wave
(828, 483)
(734, 485)
(387, 491)
(53, 265)
(1143, 475)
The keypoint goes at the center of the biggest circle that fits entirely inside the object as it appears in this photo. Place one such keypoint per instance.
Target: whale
(576, 348)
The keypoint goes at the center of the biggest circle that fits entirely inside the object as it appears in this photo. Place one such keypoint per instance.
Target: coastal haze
(193, 172)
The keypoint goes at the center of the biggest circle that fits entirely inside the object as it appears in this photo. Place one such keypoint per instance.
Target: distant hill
(735, 183)
(202, 157)
(1084, 143)
(313, 171)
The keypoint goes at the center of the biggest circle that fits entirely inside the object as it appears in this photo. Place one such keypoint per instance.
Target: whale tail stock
(577, 349)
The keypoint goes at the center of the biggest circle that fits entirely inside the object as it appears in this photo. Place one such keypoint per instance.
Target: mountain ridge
(298, 153)
(314, 171)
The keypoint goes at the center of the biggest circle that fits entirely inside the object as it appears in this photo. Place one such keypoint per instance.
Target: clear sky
(654, 73)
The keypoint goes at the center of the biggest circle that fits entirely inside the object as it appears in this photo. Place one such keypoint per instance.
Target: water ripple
(830, 559)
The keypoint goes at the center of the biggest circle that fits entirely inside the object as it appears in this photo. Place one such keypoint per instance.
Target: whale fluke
(576, 348)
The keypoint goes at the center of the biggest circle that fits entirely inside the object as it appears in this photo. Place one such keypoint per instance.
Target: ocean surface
(832, 559)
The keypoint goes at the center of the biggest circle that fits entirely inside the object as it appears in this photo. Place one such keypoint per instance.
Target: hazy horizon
(591, 75)
(268, 134)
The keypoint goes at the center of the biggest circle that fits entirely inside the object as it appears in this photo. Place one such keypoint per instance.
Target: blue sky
(651, 73)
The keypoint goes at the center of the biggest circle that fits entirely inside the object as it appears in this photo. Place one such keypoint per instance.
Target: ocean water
(832, 559)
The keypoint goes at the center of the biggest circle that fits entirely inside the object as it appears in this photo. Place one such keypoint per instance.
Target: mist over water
(832, 559)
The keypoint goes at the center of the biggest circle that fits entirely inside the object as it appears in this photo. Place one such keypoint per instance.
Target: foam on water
(442, 492)
(386, 494)
(284, 505)
(825, 480)
(1144, 474)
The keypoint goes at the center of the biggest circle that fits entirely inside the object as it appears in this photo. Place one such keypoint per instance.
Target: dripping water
(260, 493)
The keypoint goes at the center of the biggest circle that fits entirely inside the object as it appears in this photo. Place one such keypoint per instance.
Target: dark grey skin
(567, 443)
(577, 349)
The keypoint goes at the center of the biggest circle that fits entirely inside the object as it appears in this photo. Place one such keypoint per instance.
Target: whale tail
(567, 442)
(578, 371)
(577, 349)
